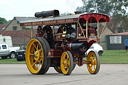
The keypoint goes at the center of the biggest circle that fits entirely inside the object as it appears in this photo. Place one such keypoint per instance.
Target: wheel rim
(93, 62)
(65, 63)
(34, 56)
(12, 55)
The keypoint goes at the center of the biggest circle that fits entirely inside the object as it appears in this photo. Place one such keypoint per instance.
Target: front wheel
(66, 63)
(94, 65)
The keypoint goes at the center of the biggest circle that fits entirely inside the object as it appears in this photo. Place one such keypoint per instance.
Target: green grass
(11, 61)
(108, 57)
(114, 57)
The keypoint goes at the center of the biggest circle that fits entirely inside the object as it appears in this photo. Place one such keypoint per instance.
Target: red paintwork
(94, 17)
(91, 41)
(54, 53)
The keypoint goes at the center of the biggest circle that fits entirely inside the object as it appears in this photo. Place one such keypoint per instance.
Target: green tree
(3, 21)
(9, 21)
(110, 7)
(116, 9)
(65, 13)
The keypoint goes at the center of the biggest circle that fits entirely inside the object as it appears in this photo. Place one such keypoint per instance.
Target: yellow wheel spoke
(34, 46)
(31, 54)
(37, 46)
(40, 63)
(93, 57)
(63, 57)
(41, 60)
(94, 67)
(90, 58)
(34, 50)
(67, 68)
(95, 62)
(41, 57)
(34, 63)
(67, 59)
(40, 49)
(68, 63)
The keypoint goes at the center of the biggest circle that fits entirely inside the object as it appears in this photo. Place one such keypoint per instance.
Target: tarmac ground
(109, 74)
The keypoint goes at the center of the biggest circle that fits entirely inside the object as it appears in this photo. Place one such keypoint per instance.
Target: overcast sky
(11, 8)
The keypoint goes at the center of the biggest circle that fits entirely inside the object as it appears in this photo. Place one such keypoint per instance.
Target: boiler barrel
(79, 47)
(76, 46)
(47, 13)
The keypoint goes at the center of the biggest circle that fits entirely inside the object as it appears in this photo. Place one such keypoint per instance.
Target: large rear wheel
(66, 63)
(94, 65)
(36, 56)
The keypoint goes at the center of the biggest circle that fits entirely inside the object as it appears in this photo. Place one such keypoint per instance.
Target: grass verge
(114, 57)
(108, 57)
(11, 61)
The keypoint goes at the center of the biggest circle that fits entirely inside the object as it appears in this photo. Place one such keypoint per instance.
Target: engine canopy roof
(91, 18)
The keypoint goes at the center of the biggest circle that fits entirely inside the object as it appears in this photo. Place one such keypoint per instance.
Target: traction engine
(61, 42)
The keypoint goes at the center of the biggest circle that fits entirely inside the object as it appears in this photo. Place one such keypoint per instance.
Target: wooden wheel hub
(93, 62)
(37, 55)
(65, 62)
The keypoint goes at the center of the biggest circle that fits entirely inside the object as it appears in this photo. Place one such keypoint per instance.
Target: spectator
(126, 44)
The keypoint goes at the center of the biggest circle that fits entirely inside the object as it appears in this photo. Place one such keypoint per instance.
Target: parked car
(6, 51)
(95, 47)
(21, 55)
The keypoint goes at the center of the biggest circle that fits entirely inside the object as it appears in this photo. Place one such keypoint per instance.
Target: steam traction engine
(62, 41)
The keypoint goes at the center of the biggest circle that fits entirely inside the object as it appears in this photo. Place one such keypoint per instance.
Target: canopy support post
(81, 30)
(86, 29)
(31, 31)
(98, 29)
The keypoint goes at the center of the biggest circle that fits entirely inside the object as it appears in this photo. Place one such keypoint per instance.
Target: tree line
(4, 21)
